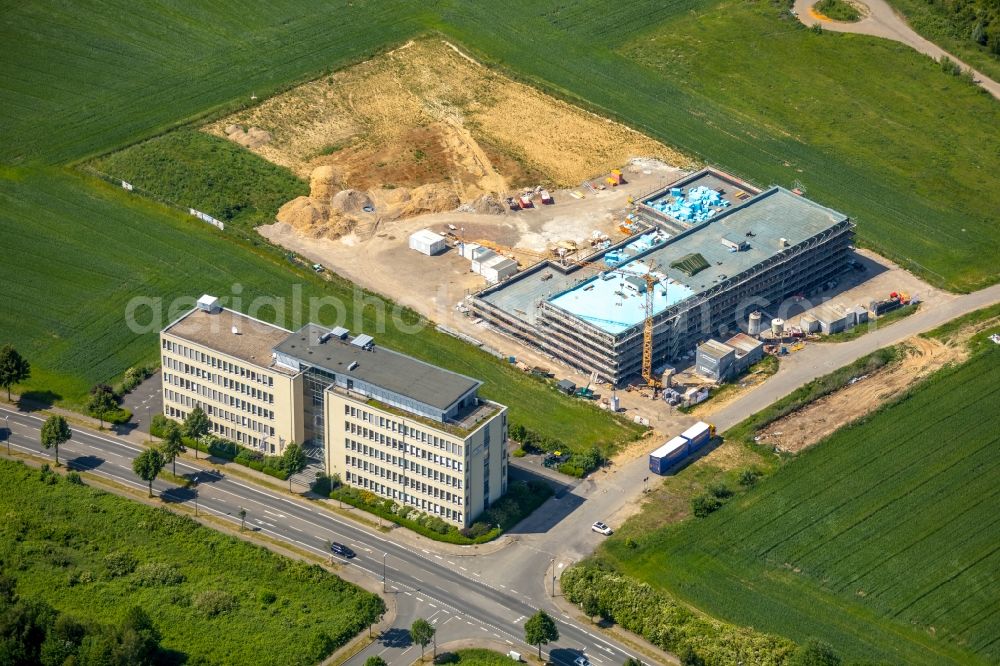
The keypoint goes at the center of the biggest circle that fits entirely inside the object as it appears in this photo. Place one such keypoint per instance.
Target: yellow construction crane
(647, 333)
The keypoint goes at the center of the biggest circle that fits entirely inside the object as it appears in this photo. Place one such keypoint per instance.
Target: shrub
(119, 563)
(74, 477)
(720, 490)
(662, 620)
(475, 530)
(519, 452)
(158, 425)
(267, 597)
(949, 66)
(214, 602)
(118, 416)
(702, 505)
(749, 477)
(154, 574)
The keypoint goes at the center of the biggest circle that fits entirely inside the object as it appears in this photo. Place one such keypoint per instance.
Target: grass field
(883, 540)
(192, 169)
(64, 306)
(474, 657)
(933, 21)
(92, 554)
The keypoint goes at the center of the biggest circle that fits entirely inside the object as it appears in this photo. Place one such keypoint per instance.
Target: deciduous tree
(147, 465)
(55, 431)
(539, 630)
(102, 401)
(422, 632)
(172, 445)
(14, 368)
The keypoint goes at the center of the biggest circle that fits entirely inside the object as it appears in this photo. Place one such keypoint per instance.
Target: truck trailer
(680, 447)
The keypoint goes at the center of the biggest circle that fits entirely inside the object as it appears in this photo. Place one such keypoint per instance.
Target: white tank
(753, 324)
(777, 327)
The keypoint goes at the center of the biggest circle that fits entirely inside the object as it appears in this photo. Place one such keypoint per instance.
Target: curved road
(883, 21)
(489, 595)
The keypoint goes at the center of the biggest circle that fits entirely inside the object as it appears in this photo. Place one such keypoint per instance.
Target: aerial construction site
(712, 249)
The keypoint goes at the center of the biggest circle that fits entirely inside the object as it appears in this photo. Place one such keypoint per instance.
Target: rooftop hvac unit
(353, 365)
(326, 336)
(209, 303)
(340, 332)
(363, 341)
(235, 330)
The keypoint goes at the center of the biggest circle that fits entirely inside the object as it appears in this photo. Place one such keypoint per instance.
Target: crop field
(192, 169)
(92, 554)
(884, 540)
(65, 308)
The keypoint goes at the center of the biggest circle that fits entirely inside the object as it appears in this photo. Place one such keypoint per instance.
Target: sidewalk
(363, 519)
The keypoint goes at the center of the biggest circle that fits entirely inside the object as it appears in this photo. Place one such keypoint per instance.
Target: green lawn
(952, 31)
(882, 540)
(474, 657)
(93, 555)
(92, 247)
(191, 169)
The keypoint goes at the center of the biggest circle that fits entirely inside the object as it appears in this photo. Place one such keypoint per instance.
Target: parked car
(342, 550)
(601, 528)
(583, 661)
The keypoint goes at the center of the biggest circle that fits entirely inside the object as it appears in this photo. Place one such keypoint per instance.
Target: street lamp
(195, 479)
(383, 571)
(553, 563)
(6, 420)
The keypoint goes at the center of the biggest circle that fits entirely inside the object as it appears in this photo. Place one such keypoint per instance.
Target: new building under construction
(716, 248)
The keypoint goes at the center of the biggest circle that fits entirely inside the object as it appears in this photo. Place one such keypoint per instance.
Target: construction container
(698, 435)
(427, 242)
(809, 324)
(668, 455)
(524, 202)
(546, 197)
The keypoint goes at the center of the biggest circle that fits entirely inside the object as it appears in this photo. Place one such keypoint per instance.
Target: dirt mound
(315, 218)
(488, 204)
(254, 137)
(324, 182)
(350, 202)
(426, 113)
(433, 198)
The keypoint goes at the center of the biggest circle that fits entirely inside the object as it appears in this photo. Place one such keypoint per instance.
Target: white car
(602, 528)
(582, 661)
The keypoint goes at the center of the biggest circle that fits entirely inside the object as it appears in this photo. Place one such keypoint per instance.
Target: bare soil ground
(425, 115)
(820, 419)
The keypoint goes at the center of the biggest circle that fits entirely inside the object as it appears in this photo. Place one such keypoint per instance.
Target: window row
(215, 362)
(231, 385)
(425, 505)
(407, 482)
(404, 447)
(402, 462)
(218, 396)
(403, 429)
(217, 414)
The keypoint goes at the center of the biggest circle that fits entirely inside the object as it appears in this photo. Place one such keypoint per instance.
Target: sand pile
(332, 212)
(488, 204)
(251, 138)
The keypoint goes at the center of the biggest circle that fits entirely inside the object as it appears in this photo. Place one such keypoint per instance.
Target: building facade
(385, 422)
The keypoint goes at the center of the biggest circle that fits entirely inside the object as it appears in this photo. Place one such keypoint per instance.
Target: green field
(66, 308)
(884, 540)
(215, 597)
(908, 151)
(192, 169)
(951, 26)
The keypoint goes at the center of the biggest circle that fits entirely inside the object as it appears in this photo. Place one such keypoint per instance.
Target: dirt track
(808, 426)
(881, 21)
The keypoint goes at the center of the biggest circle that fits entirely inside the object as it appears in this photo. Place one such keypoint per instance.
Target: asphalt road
(458, 594)
(487, 596)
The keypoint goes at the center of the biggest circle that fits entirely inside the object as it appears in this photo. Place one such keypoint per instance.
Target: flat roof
(715, 349)
(762, 222)
(743, 342)
(427, 235)
(253, 342)
(387, 369)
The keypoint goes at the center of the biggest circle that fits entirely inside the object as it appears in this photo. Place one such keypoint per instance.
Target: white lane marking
(439, 557)
(451, 563)
(463, 568)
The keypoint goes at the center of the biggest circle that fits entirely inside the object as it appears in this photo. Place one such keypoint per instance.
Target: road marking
(432, 605)
(419, 599)
(475, 573)
(426, 552)
(407, 593)
(451, 563)
(439, 557)
(485, 630)
(503, 586)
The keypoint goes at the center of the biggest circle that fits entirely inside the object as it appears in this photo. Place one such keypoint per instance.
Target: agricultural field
(191, 169)
(881, 540)
(66, 309)
(91, 554)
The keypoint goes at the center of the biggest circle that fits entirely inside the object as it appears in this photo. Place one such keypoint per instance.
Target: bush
(748, 478)
(267, 597)
(134, 376)
(720, 490)
(702, 505)
(665, 622)
(74, 477)
(119, 416)
(119, 563)
(325, 484)
(475, 530)
(158, 425)
(154, 574)
(519, 452)
(214, 602)
(949, 66)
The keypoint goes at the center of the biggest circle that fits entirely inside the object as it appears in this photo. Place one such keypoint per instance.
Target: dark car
(341, 549)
